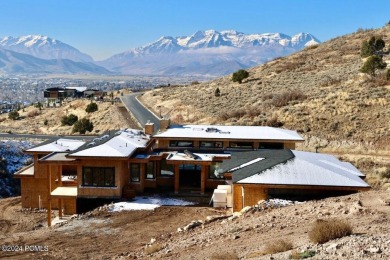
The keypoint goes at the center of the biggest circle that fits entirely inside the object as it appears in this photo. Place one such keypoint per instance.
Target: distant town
(20, 91)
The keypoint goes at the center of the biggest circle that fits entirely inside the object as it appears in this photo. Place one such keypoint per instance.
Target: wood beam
(177, 178)
(49, 197)
(203, 178)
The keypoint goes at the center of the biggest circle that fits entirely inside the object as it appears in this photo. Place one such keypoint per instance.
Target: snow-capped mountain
(15, 62)
(211, 52)
(43, 47)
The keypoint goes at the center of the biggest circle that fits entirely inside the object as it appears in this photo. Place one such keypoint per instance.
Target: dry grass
(326, 230)
(153, 248)
(224, 256)
(278, 246)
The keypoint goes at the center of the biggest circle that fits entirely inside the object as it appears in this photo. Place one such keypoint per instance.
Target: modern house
(180, 159)
(258, 175)
(58, 94)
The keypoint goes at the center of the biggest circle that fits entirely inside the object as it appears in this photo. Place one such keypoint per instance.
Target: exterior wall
(69, 206)
(102, 192)
(289, 146)
(35, 189)
(247, 195)
(164, 143)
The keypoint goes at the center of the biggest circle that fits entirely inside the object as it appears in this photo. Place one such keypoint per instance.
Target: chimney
(164, 123)
(149, 128)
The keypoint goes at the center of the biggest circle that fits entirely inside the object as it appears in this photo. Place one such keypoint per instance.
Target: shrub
(33, 113)
(386, 173)
(92, 107)
(284, 98)
(372, 64)
(217, 92)
(240, 75)
(326, 230)
(83, 125)
(69, 120)
(302, 255)
(14, 115)
(374, 46)
(388, 74)
(224, 256)
(278, 246)
(38, 105)
(273, 122)
(46, 122)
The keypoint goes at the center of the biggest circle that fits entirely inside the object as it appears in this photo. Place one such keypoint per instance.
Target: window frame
(102, 177)
(241, 146)
(215, 144)
(153, 165)
(176, 144)
(135, 172)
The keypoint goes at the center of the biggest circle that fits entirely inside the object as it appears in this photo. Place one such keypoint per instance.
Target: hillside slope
(337, 109)
(341, 103)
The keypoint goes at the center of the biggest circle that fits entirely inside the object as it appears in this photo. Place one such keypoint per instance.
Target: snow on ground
(12, 153)
(147, 203)
(12, 159)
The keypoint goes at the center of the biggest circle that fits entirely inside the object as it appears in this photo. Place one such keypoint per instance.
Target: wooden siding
(245, 195)
(102, 192)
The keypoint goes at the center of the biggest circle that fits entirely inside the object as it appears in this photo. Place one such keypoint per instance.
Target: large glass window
(175, 143)
(211, 144)
(135, 172)
(150, 170)
(214, 172)
(241, 145)
(167, 170)
(98, 176)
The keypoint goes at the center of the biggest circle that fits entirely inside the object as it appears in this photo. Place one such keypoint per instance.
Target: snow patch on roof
(60, 145)
(229, 132)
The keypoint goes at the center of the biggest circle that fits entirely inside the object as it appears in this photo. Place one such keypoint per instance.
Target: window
(135, 172)
(210, 144)
(214, 173)
(150, 170)
(174, 143)
(241, 145)
(99, 176)
(271, 145)
(166, 169)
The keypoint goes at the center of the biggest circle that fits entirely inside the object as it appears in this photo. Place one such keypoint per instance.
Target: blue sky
(102, 28)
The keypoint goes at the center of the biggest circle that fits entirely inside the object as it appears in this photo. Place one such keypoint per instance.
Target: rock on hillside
(335, 103)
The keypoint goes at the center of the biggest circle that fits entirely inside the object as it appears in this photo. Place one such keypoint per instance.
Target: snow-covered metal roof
(79, 89)
(229, 132)
(60, 145)
(310, 169)
(122, 144)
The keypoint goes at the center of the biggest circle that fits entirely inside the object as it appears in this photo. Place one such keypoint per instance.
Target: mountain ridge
(228, 46)
(43, 47)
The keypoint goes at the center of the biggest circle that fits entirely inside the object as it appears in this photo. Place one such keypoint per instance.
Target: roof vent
(212, 130)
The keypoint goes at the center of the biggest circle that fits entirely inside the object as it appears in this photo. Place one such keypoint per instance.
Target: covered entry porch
(192, 169)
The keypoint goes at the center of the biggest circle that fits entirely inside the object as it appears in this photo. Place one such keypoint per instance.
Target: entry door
(190, 175)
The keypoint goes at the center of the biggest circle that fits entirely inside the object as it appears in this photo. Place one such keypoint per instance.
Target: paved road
(46, 137)
(142, 114)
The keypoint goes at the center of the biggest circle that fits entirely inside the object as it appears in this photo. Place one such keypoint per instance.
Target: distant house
(57, 94)
(68, 174)
(90, 93)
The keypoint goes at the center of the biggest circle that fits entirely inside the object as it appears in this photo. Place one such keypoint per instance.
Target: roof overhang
(64, 192)
(303, 187)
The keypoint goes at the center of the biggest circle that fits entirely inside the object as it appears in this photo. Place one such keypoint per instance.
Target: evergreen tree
(372, 64)
(240, 75)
